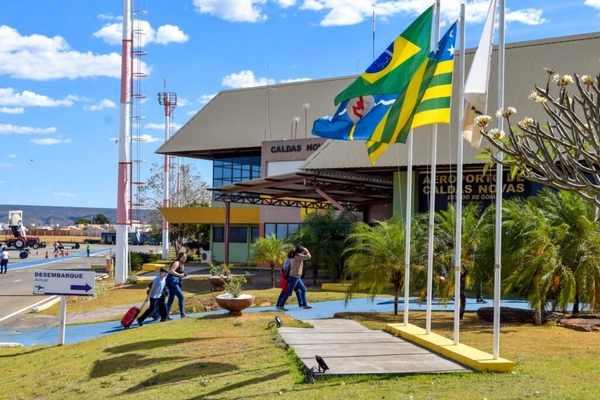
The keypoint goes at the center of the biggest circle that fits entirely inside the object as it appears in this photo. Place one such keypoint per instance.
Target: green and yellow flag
(387, 74)
(425, 101)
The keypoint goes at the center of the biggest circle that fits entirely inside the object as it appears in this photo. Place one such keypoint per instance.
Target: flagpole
(459, 182)
(408, 226)
(373, 35)
(499, 172)
(435, 38)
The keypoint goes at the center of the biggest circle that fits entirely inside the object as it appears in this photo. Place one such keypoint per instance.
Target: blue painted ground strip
(79, 333)
(44, 261)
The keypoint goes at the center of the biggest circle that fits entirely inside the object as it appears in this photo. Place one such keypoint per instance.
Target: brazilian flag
(387, 74)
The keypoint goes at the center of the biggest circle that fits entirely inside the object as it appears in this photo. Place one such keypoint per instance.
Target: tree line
(550, 252)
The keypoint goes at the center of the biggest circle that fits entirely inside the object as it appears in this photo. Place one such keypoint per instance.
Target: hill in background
(63, 216)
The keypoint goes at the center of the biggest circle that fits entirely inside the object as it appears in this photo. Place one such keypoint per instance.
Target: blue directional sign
(64, 283)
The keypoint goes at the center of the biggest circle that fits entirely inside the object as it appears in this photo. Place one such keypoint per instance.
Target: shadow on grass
(151, 344)
(126, 362)
(183, 373)
(242, 384)
(19, 354)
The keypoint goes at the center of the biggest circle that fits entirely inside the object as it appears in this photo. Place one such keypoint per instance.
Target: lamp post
(306, 107)
(296, 120)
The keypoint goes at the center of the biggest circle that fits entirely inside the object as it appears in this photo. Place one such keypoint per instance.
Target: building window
(237, 234)
(218, 234)
(254, 234)
(230, 168)
(281, 231)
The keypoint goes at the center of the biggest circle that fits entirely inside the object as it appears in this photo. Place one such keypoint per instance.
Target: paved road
(16, 286)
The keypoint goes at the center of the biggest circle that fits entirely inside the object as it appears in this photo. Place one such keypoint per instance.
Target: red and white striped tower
(169, 101)
(124, 179)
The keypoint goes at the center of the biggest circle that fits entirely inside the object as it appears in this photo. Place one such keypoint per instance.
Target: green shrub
(136, 259)
(132, 279)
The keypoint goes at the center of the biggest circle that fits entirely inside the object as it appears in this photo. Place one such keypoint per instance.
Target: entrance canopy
(311, 189)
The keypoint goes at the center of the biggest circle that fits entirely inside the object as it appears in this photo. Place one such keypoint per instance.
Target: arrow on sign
(80, 287)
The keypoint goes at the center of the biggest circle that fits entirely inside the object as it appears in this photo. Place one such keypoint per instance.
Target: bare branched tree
(191, 188)
(189, 192)
(563, 153)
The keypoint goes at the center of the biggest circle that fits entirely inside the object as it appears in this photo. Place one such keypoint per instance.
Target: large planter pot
(216, 283)
(234, 305)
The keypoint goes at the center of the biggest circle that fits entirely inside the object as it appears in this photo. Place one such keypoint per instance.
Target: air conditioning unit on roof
(206, 257)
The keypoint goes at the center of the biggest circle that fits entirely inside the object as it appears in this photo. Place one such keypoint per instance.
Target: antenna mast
(169, 101)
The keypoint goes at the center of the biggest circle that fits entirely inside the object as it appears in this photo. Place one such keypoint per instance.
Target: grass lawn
(222, 357)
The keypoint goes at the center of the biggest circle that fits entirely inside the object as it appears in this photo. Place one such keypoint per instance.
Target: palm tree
(324, 233)
(376, 258)
(576, 226)
(530, 253)
(475, 227)
(269, 250)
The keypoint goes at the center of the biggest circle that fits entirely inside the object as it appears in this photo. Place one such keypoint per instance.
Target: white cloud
(110, 17)
(49, 141)
(592, 3)
(12, 156)
(294, 80)
(8, 97)
(182, 102)
(170, 33)
(155, 126)
(41, 58)
(161, 126)
(205, 98)
(245, 79)
(286, 3)
(112, 33)
(8, 128)
(233, 10)
(103, 104)
(528, 16)
(145, 138)
(191, 113)
(6, 165)
(343, 12)
(64, 194)
(9, 110)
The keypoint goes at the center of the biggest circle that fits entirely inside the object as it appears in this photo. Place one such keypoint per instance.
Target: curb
(8, 344)
(52, 301)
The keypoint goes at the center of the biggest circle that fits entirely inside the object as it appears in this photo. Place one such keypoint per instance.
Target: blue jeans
(174, 284)
(297, 285)
(283, 298)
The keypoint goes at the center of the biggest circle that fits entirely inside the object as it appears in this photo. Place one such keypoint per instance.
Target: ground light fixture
(322, 366)
(277, 322)
(311, 374)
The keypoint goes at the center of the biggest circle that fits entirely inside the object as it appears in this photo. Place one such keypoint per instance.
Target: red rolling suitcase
(131, 315)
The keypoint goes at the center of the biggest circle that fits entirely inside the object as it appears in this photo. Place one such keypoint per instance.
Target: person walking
(284, 275)
(176, 274)
(4, 261)
(295, 278)
(155, 294)
(88, 249)
(55, 249)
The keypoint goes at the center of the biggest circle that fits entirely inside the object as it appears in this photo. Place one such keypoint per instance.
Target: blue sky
(60, 71)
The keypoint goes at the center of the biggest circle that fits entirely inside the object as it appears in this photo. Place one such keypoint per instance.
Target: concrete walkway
(348, 348)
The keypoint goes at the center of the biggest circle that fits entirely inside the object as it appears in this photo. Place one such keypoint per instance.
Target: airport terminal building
(269, 171)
